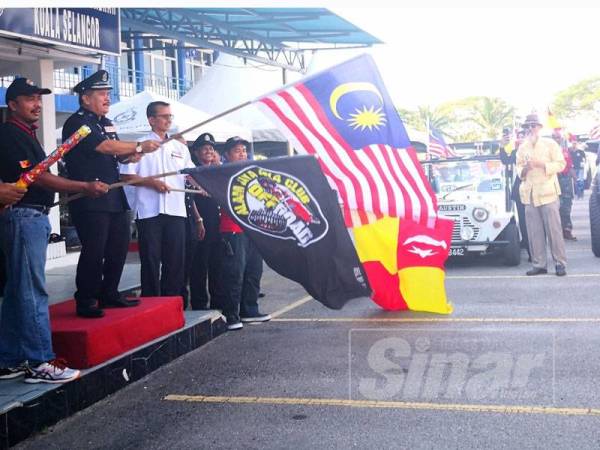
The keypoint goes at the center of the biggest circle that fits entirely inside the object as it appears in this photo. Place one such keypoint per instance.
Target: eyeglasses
(165, 116)
(529, 127)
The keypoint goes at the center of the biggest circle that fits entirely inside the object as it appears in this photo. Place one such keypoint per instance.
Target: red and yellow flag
(404, 262)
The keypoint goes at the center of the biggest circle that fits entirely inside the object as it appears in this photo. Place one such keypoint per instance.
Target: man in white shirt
(161, 213)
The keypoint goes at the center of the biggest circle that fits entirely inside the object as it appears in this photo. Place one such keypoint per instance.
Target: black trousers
(204, 272)
(104, 240)
(162, 246)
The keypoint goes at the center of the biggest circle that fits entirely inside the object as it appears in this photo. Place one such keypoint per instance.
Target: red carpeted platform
(88, 342)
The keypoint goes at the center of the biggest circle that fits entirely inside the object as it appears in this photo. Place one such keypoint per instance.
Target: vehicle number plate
(456, 251)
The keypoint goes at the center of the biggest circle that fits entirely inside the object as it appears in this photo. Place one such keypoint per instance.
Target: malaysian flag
(345, 117)
(437, 146)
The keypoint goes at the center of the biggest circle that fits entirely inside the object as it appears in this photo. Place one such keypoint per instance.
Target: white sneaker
(54, 371)
(257, 318)
(235, 326)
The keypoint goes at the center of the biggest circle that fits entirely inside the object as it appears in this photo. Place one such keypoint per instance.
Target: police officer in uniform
(101, 224)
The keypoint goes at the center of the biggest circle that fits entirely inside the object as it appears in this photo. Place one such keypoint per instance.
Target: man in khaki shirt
(539, 160)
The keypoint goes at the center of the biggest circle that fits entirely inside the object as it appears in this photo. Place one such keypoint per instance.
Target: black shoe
(120, 302)
(536, 271)
(256, 318)
(90, 312)
(8, 373)
(560, 270)
(261, 294)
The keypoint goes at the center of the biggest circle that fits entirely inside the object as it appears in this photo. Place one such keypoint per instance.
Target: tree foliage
(579, 98)
(463, 120)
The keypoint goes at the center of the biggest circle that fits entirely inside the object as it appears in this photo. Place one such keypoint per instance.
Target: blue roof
(252, 32)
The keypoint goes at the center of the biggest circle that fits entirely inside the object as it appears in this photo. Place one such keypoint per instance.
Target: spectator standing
(508, 156)
(579, 159)
(565, 180)
(539, 160)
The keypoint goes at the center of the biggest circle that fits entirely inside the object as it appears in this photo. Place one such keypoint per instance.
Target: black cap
(23, 86)
(96, 81)
(204, 139)
(233, 141)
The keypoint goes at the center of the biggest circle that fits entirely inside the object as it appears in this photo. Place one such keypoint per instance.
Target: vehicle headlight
(480, 214)
(467, 233)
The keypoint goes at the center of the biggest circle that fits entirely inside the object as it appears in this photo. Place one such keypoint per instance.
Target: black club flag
(289, 211)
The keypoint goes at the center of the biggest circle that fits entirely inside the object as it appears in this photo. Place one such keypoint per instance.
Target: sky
(524, 55)
(524, 51)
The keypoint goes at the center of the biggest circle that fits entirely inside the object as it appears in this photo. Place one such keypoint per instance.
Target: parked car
(595, 214)
(475, 193)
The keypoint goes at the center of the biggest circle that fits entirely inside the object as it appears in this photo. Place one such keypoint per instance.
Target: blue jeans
(239, 282)
(24, 322)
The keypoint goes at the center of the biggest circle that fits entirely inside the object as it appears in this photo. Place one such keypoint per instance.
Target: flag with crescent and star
(346, 118)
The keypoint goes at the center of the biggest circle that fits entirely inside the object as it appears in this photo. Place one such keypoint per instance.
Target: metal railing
(5, 81)
(129, 82)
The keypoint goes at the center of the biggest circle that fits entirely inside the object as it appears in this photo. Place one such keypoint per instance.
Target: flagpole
(118, 185)
(218, 116)
(428, 131)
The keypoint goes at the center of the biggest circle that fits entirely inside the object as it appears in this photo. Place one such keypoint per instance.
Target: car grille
(459, 222)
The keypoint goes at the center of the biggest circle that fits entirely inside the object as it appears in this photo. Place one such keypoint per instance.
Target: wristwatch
(138, 148)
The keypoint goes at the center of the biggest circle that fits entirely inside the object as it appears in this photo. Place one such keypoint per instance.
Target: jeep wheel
(512, 251)
(595, 223)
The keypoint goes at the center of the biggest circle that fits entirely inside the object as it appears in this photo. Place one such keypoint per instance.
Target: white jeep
(476, 193)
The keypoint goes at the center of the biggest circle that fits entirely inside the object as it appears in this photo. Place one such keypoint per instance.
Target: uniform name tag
(176, 154)
(110, 129)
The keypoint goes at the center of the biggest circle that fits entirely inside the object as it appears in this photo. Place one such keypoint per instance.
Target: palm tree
(438, 118)
(490, 114)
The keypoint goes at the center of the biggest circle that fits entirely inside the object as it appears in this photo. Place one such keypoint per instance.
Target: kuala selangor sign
(92, 29)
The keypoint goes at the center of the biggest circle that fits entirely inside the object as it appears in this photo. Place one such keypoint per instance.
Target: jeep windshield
(466, 176)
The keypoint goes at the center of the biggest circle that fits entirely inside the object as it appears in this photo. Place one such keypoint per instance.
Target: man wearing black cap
(25, 340)
(101, 224)
(241, 267)
(204, 266)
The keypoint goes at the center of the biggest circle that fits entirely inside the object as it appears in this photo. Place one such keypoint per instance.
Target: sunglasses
(165, 116)
(529, 127)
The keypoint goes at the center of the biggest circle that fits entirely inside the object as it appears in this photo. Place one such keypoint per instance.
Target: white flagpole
(428, 131)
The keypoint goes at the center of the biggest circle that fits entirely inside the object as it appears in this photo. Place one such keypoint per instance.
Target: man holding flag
(25, 340)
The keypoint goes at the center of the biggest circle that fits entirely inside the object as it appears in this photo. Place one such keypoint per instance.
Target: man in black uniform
(206, 258)
(25, 339)
(101, 224)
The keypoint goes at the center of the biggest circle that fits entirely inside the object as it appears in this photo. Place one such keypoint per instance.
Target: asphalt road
(513, 367)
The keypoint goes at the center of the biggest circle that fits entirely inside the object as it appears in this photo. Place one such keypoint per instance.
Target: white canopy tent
(229, 83)
(129, 116)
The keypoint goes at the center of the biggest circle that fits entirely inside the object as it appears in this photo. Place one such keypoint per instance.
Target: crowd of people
(184, 237)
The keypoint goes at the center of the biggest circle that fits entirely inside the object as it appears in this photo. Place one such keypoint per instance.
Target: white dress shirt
(170, 157)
